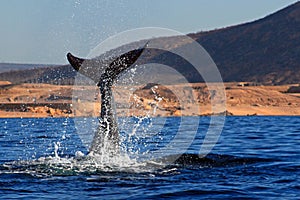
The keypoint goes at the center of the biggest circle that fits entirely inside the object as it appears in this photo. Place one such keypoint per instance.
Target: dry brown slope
(43, 100)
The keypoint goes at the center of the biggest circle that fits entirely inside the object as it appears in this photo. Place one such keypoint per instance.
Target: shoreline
(61, 117)
(48, 112)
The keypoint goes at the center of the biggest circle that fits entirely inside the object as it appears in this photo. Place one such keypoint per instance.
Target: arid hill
(59, 75)
(266, 50)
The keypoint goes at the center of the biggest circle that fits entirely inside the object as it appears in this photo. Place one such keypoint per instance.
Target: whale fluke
(104, 73)
(74, 61)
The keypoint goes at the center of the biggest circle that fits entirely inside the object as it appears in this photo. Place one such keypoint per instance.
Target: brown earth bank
(45, 100)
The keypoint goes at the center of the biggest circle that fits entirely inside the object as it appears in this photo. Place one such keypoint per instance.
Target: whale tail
(94, 68)
(104, 73)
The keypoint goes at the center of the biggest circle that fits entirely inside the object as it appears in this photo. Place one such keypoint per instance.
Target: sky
(43, 31)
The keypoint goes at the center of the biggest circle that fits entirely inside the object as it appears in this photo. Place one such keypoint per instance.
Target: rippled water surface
(255, 158)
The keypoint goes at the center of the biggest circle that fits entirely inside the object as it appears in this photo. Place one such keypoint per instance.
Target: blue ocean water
(255, 158)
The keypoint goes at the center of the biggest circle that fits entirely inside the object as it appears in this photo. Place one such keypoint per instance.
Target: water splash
(79, 164)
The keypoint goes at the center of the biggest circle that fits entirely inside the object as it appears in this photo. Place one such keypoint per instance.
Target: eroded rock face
(5, 83)
(155, 96)
(48, 111)
(294, 89)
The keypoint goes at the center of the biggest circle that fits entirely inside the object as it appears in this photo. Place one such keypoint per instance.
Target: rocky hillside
(59, 75)
(266, 50)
